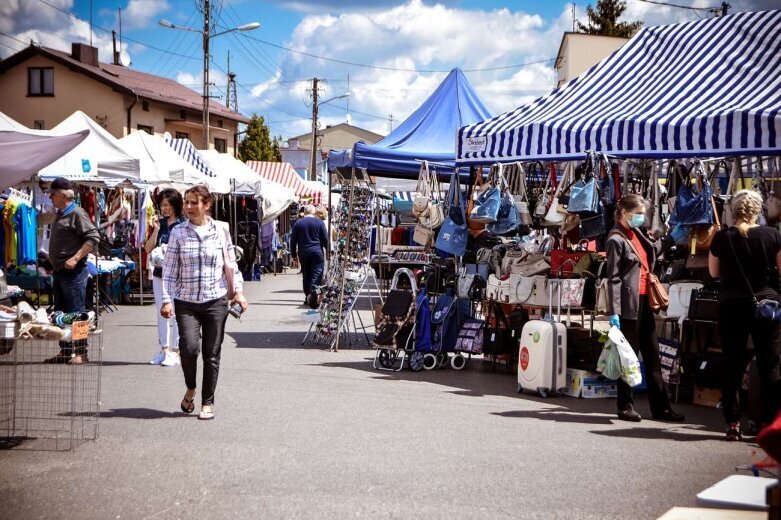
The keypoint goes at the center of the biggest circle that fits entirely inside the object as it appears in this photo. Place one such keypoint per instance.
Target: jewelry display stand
(348, 270)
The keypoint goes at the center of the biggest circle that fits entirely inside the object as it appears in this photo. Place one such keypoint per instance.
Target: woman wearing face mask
(631, 256)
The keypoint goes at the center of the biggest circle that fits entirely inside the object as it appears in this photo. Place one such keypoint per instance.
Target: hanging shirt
(9, 250)
(26, 227)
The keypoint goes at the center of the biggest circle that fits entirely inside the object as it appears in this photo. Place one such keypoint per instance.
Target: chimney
(114, 42)
(84, 53)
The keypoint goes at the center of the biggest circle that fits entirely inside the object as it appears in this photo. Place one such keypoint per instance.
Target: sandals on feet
(187, 405)
(206, 415)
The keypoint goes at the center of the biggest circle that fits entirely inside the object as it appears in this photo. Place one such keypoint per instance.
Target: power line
(377, 67)
(711, 9)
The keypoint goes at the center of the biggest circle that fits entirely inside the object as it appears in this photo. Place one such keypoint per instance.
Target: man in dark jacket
(73, 237)
(308, 239)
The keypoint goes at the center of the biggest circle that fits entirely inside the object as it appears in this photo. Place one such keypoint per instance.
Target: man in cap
(73, 237)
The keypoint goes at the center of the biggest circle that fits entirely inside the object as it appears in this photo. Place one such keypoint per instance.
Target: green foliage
(603, 20)
(257, 144)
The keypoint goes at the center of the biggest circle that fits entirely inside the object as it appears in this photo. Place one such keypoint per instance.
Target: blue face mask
(635, 220)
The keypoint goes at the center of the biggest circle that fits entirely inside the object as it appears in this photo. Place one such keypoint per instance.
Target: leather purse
(658, 299)
(694, 208)
(680, 298)
(704, 305)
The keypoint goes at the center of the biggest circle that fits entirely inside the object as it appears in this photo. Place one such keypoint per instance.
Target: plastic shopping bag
(608, 363)
(630, 365)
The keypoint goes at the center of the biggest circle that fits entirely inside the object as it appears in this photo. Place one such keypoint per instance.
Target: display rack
(348, 270)
(50, 407)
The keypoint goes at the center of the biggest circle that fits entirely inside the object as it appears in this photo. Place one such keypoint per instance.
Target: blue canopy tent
(705, 88)
(427, 134)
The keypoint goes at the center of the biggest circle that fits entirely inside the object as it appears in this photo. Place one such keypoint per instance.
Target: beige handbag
(554, 216)
(735, 178)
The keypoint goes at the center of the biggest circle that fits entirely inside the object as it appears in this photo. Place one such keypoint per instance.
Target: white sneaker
(159, 358)
(171, 360)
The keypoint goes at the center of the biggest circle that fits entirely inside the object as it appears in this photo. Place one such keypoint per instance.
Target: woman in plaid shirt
(194, 283)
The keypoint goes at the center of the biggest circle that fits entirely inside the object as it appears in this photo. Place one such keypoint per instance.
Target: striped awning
(705, 88)
(284, 174)
(189, 153)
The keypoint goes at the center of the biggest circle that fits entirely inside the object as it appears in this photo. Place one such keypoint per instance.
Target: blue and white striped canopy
(188, 152)
(704, 88)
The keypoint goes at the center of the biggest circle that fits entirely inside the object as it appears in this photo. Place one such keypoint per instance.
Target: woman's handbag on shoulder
(658, 299)
(765, 310)
(229, 268)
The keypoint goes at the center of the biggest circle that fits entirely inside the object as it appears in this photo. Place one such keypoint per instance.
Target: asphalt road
(301, 432)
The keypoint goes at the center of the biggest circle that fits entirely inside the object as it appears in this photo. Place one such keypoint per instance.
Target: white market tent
(706, 88)
(158, 161)
(8, 123)
(23, 154)
(99, 155)
(244, 181)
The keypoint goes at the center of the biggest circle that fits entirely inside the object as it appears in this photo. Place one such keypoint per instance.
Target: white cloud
(140, 13)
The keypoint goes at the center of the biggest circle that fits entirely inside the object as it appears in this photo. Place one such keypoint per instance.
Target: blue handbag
(422, 322)
(584, 193)
(693, 208)
(507, 218)
(452, 236)
(486, 205)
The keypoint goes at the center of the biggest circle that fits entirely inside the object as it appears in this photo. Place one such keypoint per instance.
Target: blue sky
(398, 52)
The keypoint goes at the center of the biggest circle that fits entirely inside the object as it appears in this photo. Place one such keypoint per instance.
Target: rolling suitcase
(542, 358)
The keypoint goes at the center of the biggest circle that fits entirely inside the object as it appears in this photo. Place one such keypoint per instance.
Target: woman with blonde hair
(747, 259)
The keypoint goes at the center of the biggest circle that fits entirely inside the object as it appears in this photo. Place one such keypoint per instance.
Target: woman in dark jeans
(747, 259)
(631, 256)
(197, 265)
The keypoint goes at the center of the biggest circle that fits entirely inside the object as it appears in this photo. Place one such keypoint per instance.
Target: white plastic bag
(630, 365)
(608, 363)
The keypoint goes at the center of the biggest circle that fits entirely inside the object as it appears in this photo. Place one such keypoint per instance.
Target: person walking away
(200, 280)
(631, 257)
(171, 206)
(308, 239)
(747, 260)
(73, 237)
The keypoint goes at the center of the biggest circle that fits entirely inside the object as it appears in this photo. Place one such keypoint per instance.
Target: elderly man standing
(73, 237)
(308, 239)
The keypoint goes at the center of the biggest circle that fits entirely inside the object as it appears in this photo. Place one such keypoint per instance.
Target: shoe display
(669, 416)
(733, 432)
(629, 415)
(159, 358)
(171, 360)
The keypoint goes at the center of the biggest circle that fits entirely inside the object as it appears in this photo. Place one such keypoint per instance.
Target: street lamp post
(207, 36)
(315, 105)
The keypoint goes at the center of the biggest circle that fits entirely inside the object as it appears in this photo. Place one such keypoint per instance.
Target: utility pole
(573, 16)
(313, 162)
(206, 34)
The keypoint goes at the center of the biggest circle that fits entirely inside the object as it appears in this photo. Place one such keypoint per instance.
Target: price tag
(80, 330)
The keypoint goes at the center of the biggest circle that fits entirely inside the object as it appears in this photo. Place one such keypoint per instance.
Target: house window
(145, 106)
(182, 135)
(182, 115)
(39, 124)
(221, 145)
(40, 81)
(148, 129)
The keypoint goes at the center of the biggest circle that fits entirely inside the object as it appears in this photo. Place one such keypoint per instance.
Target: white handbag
(680, 295)
(522, 288)
(601, 303)
(554, 217)
(496, 289)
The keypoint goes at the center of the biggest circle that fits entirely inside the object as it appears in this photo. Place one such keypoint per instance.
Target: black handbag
(704, 305)
(583, 349)
(499, 339)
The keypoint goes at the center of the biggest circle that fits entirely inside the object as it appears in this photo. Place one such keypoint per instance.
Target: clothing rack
(13, 193)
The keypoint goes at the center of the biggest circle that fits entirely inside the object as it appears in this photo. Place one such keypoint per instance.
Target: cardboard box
(589, 385)
(710, 397)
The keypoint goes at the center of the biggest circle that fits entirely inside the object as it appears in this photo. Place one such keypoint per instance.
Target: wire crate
(49, 406)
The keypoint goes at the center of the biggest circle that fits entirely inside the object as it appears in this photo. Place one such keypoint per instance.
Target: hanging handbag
(507, 219)
(544, 199)
(704, 305)
(584, 193)
(452, 237)
(521, 197)
(499, 338)
(680, 298)
(487, 203)
(522, 288)
(422, 198)
(470, 337)
(512, 259)
(554, 215)
(593, 226)
(423, 235)
(477, 188)
(654, 218)
(703, 236)
(694, 208)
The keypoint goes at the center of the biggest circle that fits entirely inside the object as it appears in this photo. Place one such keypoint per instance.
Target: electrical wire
(692, 8)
